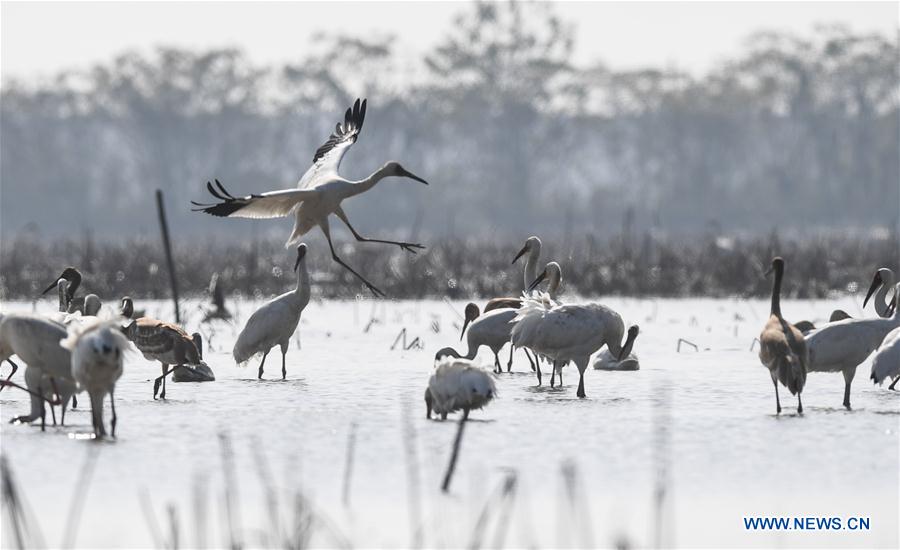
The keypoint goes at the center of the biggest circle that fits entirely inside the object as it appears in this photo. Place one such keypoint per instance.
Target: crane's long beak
(407, 174)
(876, 284)
(538, 281)
(463, 330)
(51, 287)
(520, 254)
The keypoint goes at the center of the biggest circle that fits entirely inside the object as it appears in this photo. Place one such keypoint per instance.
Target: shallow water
(702, 421)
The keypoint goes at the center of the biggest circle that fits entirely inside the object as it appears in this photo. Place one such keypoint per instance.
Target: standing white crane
(883, 282)
(843, 345)
(492, 329)
(72, 277)
(571, 333)
(553, 274)
(48, 366)
(532, 247)
(319, 193)
(98, 351)
(275, 322)
(457, 385)
(886, 363)
(782, 349)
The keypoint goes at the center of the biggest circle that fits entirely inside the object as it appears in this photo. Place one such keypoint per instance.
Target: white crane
(492, 329)
(36, 341)
(553, 274)
(73, 303)
(886, 363)
(275, 322)
(782, 348)
(532, 247)
(457, 385)
(883, 282)
(605, 360)
(571, 333)
(319, 193)
(98, 351)
(843, 345)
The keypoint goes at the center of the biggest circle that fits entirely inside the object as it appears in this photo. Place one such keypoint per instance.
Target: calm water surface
(699, 425)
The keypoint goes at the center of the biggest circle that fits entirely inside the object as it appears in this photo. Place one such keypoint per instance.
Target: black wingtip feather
(346, 131)
(228, 206)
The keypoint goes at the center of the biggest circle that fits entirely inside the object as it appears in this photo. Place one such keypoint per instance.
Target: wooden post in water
(167, 245)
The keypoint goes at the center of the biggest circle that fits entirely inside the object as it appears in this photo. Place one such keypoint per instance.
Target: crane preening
(319, 193)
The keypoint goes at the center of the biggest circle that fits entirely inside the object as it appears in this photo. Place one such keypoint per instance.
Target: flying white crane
(275, 322)
(782, 348)
(571, 333)
(98, 351)
(886, 363)
(457, 384)
(843, 345)
(36, 341)
(883, 282)
(492, 329)
(319, 193)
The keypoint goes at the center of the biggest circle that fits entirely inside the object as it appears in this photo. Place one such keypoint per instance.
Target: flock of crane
(82, 347)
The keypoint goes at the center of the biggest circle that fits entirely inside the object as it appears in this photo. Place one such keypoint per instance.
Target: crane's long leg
(538, 363)
(283, 367)
(162, 380)
(112, 403)
(512, 348)
(15, 367)
(409, 247)
(553, 375)
(848, 379)
(497, 368)
(800, 404)
(74, 401)
(777, 400)
(530, 360)
(324, 226)
(261, 364)
(894, 383)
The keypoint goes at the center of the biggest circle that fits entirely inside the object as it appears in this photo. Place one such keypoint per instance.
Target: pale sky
(39, 39)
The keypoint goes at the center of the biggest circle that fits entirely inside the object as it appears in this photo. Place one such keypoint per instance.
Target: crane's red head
(472, 313)
(301, 253)
(877, 282)
(70, 274)
(393, 168)
(531, 243)
(777, 266)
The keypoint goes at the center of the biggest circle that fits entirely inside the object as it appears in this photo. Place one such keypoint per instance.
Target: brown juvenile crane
(782, 348)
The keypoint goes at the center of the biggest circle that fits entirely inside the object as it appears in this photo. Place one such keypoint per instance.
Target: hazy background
(568, 120)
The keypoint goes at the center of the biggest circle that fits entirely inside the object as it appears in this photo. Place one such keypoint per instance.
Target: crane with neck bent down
(319, 193)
